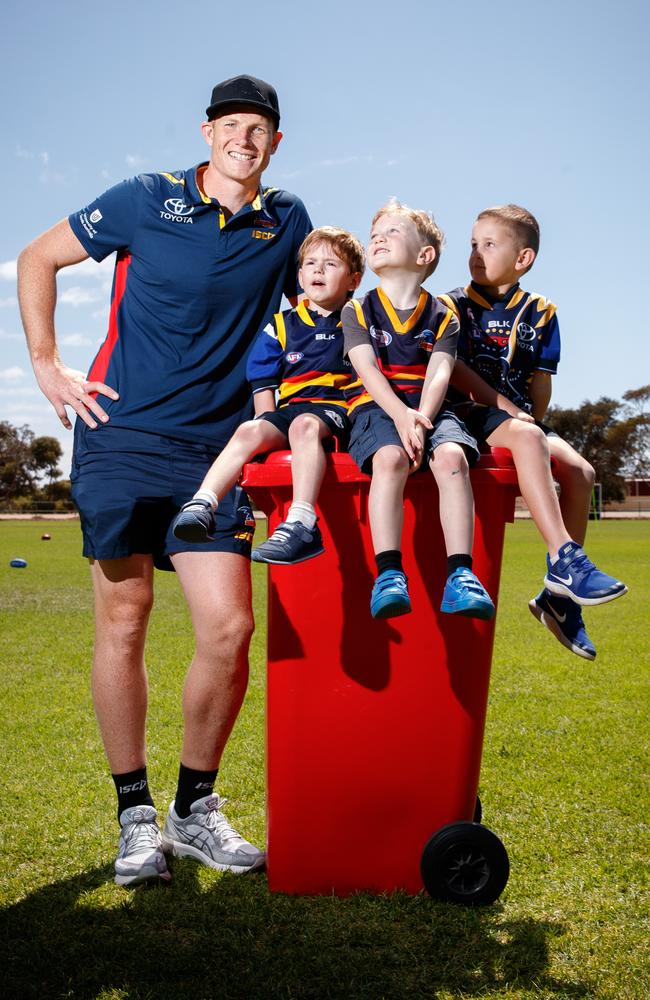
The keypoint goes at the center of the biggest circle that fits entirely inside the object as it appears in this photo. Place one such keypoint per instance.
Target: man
(203, 257)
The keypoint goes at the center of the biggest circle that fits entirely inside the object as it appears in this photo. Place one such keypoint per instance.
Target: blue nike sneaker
(564, 619)
(390, 595)
(194, 522)
(464, 594)
(574, 575)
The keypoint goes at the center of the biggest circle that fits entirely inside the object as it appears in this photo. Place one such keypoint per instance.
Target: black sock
(192, 785)
(456, 561)
(390, 559)
(132, 790)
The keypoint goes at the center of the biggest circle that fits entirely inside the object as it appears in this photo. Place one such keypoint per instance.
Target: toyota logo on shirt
(178, 207)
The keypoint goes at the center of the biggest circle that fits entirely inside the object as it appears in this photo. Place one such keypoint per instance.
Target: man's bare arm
(38, 265)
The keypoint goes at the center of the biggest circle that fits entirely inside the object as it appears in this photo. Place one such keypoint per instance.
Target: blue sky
(449, 106)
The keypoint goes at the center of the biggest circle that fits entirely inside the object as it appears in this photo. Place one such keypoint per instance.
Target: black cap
(247, 90)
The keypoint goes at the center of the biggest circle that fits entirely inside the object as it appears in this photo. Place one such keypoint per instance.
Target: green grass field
(564, 783)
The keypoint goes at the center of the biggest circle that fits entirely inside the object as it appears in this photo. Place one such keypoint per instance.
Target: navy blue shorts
(129, 485)
(334, 417)
(483, 420)
(373, 429)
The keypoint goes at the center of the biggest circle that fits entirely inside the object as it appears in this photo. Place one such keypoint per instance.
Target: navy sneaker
(390, 595)
(574, 575)
(195, 522)
(290, 543)
(564, 619)
(464, 594)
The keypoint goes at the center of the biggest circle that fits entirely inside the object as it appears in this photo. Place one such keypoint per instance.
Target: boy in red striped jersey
(402, 344)
(299, 355)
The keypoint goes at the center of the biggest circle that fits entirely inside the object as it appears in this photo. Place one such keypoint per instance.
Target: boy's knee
(250, 432)
(390, 461)
(304, 427)
(449, 459)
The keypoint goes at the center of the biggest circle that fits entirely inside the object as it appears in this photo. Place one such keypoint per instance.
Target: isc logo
(257, 234)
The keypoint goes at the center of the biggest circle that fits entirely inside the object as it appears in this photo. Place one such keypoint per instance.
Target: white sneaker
(207, 836)
(140, 856)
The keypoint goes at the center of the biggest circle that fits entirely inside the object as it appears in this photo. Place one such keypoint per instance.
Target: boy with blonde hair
(402, 344)
(299, 355)
(508, 351)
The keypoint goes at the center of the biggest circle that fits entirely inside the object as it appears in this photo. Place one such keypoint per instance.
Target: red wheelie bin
(375, 728)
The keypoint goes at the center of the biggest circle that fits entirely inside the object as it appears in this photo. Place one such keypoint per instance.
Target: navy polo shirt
(190, 292)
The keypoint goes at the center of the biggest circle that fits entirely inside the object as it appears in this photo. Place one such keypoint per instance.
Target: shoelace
(280, 535)
(141, 833)
(215, 820)
(581, 562)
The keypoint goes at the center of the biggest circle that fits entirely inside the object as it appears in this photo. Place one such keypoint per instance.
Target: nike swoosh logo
(563, 579)
(556, 614)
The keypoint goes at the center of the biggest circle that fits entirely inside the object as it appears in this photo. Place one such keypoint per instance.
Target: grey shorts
(373, 429)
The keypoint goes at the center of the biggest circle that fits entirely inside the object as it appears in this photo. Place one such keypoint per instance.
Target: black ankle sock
(192, 785)
(390, 559)
(456, 561)
(132, 790)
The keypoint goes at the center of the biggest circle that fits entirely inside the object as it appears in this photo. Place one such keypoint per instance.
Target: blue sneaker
(390, 595)
(575, 576)
(564, 619)
(194, 522)
(291, 542)
(464, 594)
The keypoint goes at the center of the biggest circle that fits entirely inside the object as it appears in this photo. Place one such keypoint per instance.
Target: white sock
(302, 511)
(208, 495)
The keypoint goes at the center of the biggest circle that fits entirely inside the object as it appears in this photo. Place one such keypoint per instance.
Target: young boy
(300, 354)
(508, 350)
(402, 343)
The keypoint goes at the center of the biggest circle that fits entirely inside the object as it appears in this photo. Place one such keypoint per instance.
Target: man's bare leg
(217, 588)
(218, 592)
(123, 599)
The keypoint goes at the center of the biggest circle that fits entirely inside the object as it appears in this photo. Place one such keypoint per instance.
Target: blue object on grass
(18, 563)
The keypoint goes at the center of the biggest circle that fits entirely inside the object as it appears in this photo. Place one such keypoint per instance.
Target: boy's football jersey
(402, 347)
(506, 341)
(300, 353)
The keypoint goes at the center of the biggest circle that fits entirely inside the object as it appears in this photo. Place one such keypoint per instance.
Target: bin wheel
(478, 811)
(465, 863)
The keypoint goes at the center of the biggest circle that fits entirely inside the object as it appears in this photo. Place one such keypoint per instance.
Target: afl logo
(525, 333)
(178, 207)
(294, 356)
(380, 335)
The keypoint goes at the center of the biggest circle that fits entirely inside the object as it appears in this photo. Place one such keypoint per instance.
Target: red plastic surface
(374, 729)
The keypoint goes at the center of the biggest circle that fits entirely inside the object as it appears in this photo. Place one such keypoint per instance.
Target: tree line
(613, 435)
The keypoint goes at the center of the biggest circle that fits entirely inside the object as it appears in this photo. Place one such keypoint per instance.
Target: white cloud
(8, 270)
(134, 160)
(6, 335)
(19, 392)
(12, 374)
(10, 301)
(75, 340)
(77, 296)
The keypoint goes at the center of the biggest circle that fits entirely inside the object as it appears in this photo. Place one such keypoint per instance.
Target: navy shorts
(482, 420)
(334, 417)
(373, 429)
(129, 485)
